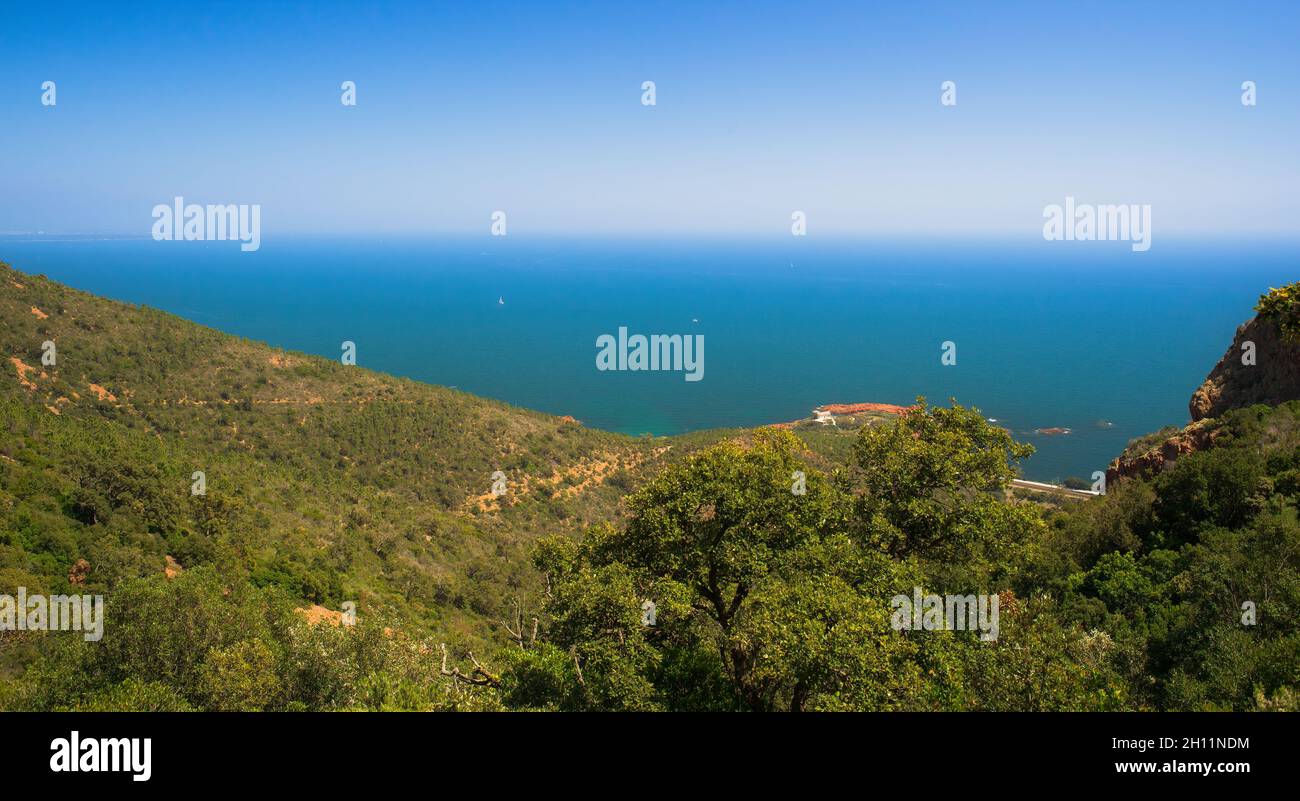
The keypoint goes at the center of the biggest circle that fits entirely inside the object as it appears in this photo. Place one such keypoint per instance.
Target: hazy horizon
(833, 110)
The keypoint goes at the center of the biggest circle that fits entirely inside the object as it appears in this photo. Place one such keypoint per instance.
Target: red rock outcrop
(1273, 378)
(1195, 437)
(1270, 374)
(863, 408)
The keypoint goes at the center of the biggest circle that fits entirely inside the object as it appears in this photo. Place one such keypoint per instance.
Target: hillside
(334, 482)
(721, 570)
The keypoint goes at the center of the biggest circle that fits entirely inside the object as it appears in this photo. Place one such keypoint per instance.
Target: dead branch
(479, 677)
(577, 668)
(517, 633)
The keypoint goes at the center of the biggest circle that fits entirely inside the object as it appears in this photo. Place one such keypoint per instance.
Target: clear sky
(762, 108)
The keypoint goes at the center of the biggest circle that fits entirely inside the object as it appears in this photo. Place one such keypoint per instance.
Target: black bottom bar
(234, 751)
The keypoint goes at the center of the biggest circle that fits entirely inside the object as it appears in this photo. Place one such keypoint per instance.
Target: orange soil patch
(311, 400)
(23, 369)
(591, 473)
(276, 360)
(317, 614)
(40, 315)
(173, 568)
(588, 472)
(102, 393)
(489, 501)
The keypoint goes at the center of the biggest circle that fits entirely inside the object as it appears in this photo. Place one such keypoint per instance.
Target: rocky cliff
(1262, 365)
(1273, 378)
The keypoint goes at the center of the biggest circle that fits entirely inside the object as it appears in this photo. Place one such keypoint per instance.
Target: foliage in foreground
(766, 599)
(1180, 592)
(1282, 306)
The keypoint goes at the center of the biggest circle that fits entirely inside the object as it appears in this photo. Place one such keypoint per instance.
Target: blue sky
(763, 108)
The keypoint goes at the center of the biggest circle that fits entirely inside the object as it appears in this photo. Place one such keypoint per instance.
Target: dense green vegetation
(770, 601)
(770, 558)
(1282, 306)
(328, 482)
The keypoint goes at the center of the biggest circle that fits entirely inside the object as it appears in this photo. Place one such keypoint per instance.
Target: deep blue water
(1047, 333)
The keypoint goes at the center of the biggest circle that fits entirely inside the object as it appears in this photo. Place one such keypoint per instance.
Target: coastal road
(1038, 486)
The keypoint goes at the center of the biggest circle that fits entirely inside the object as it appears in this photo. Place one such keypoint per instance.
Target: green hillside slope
(334, 482)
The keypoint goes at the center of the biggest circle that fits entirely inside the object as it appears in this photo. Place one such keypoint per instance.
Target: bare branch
(578, 668)
(480, 677)
(517, 632)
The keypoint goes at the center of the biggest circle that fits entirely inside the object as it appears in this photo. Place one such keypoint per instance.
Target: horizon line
(948, 235)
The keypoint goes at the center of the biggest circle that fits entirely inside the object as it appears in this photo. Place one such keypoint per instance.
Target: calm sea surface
(1085, 336)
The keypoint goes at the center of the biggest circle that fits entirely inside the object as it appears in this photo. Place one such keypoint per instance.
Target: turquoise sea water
(1087, 336)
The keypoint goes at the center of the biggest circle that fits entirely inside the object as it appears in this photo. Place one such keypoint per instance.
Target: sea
(1086, 336)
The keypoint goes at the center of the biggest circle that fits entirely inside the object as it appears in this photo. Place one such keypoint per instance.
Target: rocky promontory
(1262, 365)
